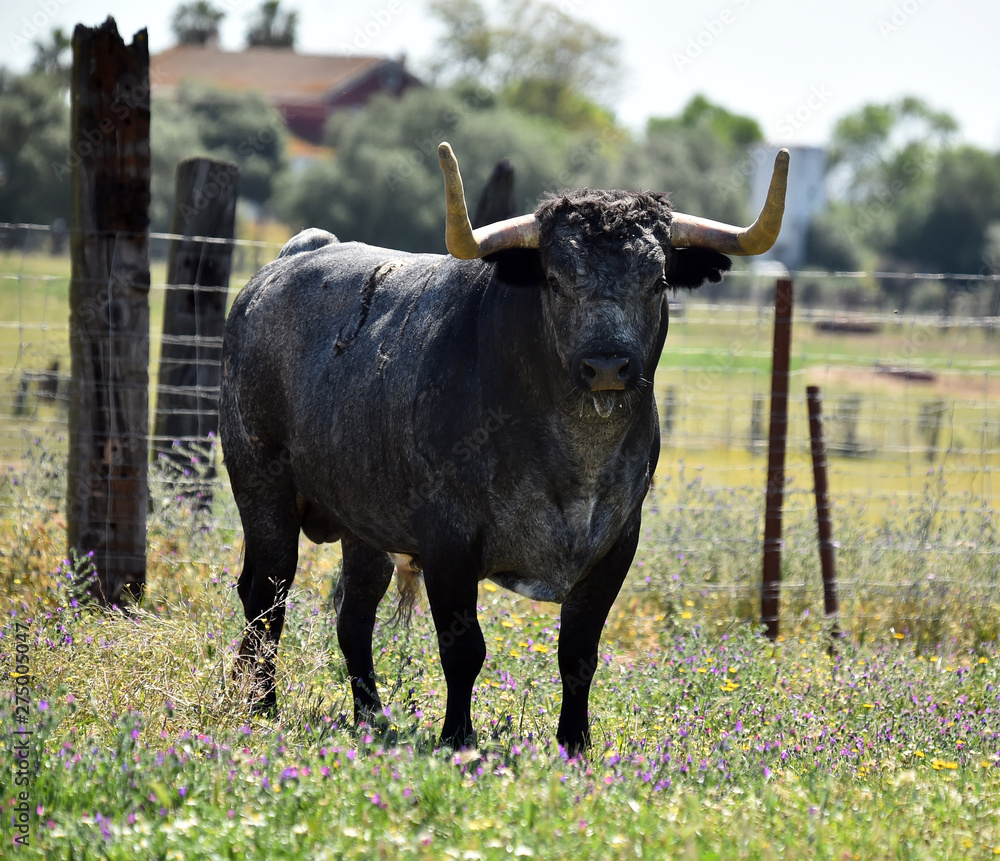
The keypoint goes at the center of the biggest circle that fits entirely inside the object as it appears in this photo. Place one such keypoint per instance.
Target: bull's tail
(408, 577)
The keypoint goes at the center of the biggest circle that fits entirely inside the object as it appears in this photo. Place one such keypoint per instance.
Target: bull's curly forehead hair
(597, 216)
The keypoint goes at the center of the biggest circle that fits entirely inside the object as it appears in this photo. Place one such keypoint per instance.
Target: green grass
(709, 740)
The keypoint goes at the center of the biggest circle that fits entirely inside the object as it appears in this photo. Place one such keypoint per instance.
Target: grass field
(709, 740)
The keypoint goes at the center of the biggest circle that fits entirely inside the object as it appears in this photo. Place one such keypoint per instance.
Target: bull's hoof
(266, 706)
(258, 676)
(575, 745)
(459, 741)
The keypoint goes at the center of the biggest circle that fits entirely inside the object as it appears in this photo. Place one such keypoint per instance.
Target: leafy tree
(733, 130)
(831, 244)
(949, 234)
(878, 146)
(465, 50)
(200, 120)
(52, 56)
(196, 23)
(990, 304)
(173, 138)
(272, 26)
(552, 99)
(34, 151)
(883, 163)
(385, 186)
(698, 169)
(540, 58)
(702, 157)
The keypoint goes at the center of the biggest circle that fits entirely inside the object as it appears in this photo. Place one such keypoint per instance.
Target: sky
(796, 66)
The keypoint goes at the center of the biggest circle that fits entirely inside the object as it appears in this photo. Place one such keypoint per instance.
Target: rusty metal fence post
(770, 587)
(824, 523)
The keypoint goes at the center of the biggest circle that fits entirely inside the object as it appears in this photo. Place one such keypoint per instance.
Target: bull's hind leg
(364, 581)
(452, 594)
(271, 548)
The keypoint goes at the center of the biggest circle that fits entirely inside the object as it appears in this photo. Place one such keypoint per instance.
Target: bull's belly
(544, 558)
(537, 589)
(528, 543)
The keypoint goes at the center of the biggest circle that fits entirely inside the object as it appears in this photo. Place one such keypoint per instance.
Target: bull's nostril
(604, 373)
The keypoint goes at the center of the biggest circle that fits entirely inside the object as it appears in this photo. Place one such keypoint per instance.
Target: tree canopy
(52, 55)
(950, 232)
(34, 148)
(524, 80)
(272, 27)
(733, 130)
(905, 194)
(196, 23)
(202, 121)
(538, 57)
(385, 185)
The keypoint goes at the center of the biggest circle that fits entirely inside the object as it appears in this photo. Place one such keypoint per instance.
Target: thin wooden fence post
(194, 317)
(824, 523)
(770, 588)
(109, 308)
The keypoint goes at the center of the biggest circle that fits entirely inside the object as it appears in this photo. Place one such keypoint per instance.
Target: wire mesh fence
(911, 418)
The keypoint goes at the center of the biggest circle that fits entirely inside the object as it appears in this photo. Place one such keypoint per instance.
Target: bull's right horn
(692, 231)
(465, 243)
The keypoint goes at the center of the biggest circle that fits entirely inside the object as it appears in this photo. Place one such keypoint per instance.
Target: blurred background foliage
(533, 84)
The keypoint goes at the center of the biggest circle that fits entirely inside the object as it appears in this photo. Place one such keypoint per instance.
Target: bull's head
(606, 258)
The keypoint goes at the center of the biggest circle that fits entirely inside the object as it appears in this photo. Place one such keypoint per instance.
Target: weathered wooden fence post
(770, 587)
(109, 308)
(194, 317)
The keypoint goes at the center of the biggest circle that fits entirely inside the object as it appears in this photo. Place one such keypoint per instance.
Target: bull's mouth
(606, 402)
(602, 407)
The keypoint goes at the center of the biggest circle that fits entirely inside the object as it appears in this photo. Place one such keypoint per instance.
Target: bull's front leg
(584, 613)
(452, 594)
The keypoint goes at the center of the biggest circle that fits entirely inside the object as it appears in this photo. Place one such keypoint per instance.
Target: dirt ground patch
(948, 385)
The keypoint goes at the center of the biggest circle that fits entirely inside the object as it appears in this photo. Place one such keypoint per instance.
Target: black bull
(493, 419)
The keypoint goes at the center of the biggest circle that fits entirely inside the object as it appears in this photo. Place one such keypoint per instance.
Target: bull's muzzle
(605, 373)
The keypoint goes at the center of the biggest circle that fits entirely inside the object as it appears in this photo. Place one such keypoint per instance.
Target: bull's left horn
(464, 242)
(691, 231)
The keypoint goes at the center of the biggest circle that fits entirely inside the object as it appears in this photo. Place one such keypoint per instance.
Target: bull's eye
(554, 285)
(660, 284)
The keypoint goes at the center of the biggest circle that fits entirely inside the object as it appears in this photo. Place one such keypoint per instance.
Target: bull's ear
(519, 267)
(692, 267)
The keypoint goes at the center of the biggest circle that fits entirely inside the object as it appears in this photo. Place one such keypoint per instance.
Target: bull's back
(329, 352)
